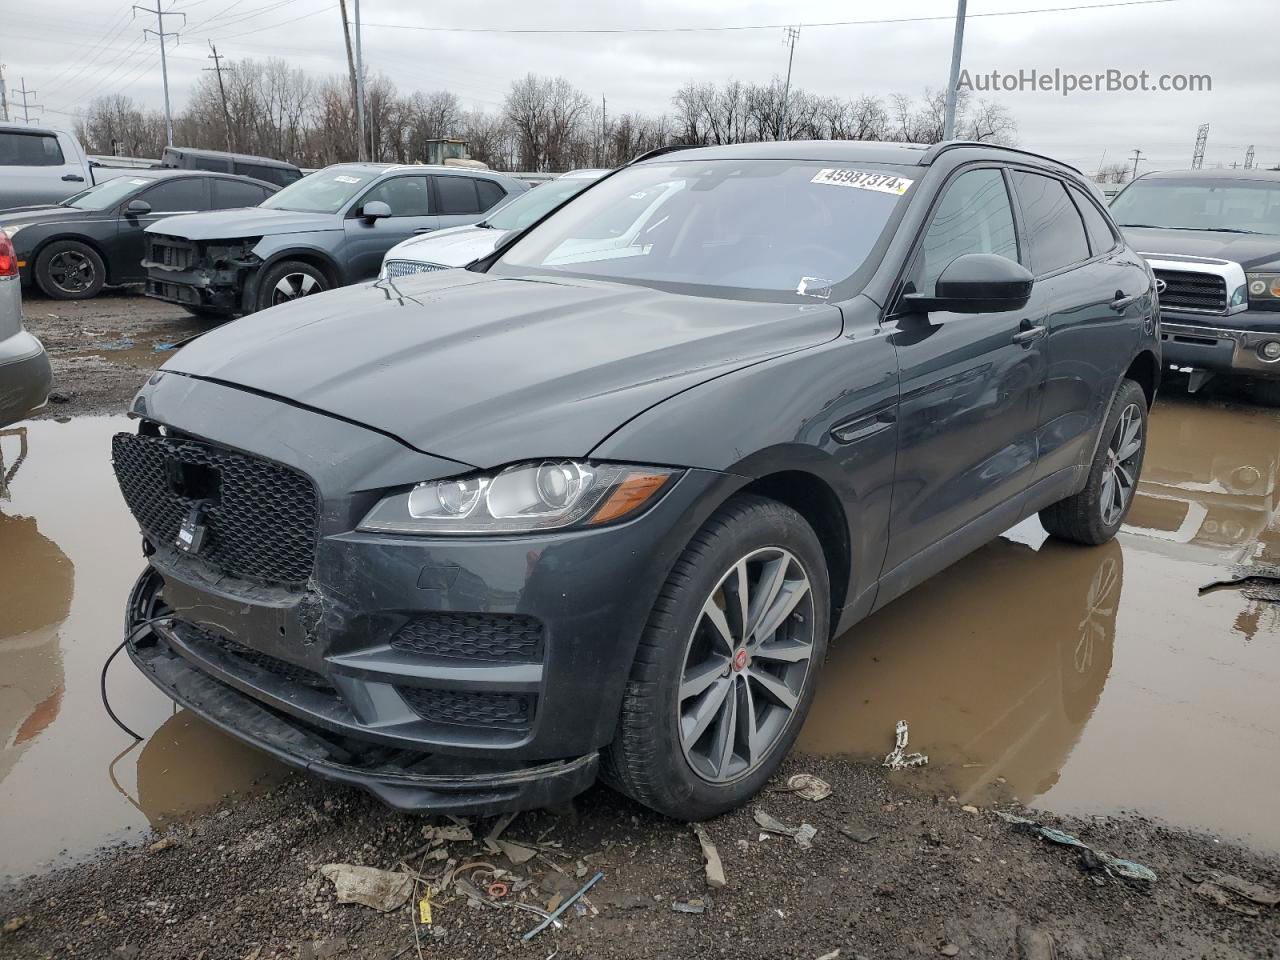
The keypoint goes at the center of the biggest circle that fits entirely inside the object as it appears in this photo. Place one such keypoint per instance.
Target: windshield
(106, 194)
(1231, 206)
(532, 204)
(325, 191)
(753, 229)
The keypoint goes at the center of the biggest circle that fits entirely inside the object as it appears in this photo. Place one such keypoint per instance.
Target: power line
(764, 26)
(793, 34)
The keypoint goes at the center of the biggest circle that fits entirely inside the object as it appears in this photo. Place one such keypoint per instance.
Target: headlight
(522, 499)
(1264, 287)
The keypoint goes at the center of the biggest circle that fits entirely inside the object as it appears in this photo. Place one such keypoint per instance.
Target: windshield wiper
(1258, 233)
(1150, 226)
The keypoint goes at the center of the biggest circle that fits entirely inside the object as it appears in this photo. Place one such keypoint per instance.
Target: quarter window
(458, 196)
(1101, 237)
(406, 196)
(974, 216)
(1057, 233)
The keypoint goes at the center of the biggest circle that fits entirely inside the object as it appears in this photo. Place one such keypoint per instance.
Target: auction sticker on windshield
(881, 182)
(343, 178)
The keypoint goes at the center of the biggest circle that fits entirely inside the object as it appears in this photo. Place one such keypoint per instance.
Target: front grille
(171, 255)
(261, 519)
(493, 711)
(273, 665)
(1186, 290)
(405, 268)
(511, 638)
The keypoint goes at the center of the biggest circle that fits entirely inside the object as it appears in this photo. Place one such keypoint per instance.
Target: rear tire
(70, 270)
(289, 280)
(1096, 513)
(693, 690)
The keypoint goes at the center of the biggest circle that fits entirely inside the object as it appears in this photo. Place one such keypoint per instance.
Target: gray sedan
(25, 376)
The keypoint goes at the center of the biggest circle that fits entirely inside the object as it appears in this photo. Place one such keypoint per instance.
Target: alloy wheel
(746, 664)
(294, 285)
(71, 272)
(1121, 470)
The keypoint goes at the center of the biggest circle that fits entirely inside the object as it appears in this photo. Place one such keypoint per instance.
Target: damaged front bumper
(210, 277)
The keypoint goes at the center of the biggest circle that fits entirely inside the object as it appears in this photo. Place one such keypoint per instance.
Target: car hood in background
(452, 247)
(244, 222)
(489, 371)
(1248, 250)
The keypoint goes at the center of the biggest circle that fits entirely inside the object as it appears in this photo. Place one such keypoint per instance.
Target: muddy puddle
(1080, 680)
(1096, 680)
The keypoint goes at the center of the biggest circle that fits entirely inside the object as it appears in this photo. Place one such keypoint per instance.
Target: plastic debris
(497, 890)
(692, 905)
(424, 910)
(714, 868)
(833, 955)
(382, 890)
(803, 834)
(898, 758)
(808, 787)
(564, 906)
(515, 852)
(1112, 866)
(857, 833)
(452, 834)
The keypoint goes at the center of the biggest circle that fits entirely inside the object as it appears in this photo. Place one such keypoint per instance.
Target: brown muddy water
(1081, 680)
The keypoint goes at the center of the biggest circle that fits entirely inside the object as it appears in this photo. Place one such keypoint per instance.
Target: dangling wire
(102, 682)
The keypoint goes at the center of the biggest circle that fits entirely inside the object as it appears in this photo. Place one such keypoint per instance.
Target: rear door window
(1057, 232)
(406, 196)
(30, 150)
(1101, 237)
(458, 196)
(178, 196)
(235, 193)
(974, 216)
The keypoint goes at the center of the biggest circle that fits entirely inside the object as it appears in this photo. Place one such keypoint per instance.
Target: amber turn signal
(631, 494)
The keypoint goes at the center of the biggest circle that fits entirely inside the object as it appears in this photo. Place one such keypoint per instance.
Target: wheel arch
(311, 256)
(1144, 370)
(89, 242)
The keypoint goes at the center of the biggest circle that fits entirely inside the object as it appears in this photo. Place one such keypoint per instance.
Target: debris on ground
(803, 834)
(383, 890)
(833, 955)
(898, 758)
(1094, 860)
(14, 924)
(949, 950)
(515, 852)
(564, 906)
(1229, 891)
(1033, 944)
(454, 833)
(714, 868)
(692, 905)
(808, 787)
(857, 833)
(970, 808)
(164, 843)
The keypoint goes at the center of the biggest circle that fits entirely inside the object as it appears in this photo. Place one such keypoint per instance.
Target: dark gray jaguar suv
(595, 504)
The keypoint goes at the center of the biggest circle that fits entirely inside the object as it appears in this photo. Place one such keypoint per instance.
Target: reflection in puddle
(1093, 680)
(69, 780)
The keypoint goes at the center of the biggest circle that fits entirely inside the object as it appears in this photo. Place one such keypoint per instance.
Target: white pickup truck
(39, 165)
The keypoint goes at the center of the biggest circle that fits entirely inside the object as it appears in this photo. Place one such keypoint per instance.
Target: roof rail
(659, 151)
(939, 148)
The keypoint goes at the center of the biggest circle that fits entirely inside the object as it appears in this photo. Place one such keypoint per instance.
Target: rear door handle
(1122, 303)
(73, 178)
(1028, 333)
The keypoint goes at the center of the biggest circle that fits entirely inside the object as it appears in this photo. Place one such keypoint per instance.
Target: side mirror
(976, 283)
(375, 210)
(137, 208)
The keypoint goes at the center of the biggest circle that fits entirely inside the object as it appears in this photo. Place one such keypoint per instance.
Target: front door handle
(73, 178)
(1122, 303)
(424, 229)
(865, 425)
(1028, 333)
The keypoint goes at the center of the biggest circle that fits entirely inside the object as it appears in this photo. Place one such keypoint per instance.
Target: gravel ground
(920, 876)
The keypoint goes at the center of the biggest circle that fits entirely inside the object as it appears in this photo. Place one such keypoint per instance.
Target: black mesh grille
(262, 518)
(274, 665)
(494, 711)
(1186, 290)
(512, 638)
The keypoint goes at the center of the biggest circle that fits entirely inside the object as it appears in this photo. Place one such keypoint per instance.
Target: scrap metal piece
(898, 758)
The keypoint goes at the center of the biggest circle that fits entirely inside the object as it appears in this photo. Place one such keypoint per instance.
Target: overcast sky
(69, 51)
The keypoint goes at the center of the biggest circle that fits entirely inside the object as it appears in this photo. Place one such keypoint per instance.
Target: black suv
(596, 503)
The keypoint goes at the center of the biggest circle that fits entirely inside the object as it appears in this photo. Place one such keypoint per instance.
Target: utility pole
(359, 86)
(1137, 155)
(164, 61)
(793, 34)
(217, 59)
(1248, 158)
(604, 130)
(1202, 138)
(4, 98)
(957, 47)
(351, 62)
(24, 93)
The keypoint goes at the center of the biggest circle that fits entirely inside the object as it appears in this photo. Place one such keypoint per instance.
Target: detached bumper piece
(406, 779)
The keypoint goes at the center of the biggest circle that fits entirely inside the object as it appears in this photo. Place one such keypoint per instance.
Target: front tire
(1095, 514)
(727, 666)
(70, 270)
(289, 280)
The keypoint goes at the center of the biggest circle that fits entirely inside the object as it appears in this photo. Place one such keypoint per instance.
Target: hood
(489, 371)
(244, 222)
(1249, 250)
(452, 247)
